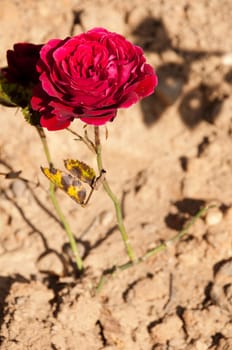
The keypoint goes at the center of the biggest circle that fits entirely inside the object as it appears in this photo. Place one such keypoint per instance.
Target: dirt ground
(165, 158)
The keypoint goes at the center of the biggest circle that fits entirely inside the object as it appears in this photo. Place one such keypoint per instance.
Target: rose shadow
(152, 35)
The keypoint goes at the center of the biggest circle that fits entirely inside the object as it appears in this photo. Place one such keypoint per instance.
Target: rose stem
(56, 205)
(152, 252)
(114, 199)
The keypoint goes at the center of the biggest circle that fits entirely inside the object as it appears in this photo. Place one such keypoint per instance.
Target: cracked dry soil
(165, 157)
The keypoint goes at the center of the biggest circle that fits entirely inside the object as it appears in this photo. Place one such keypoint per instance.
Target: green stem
(45, 144)
(177, 237)
(67, 228)
(114, 199)
(72, 241)
(159, 248)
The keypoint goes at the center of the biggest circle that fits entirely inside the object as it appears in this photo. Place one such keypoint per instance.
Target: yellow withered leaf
(81, 170)
(66, 182)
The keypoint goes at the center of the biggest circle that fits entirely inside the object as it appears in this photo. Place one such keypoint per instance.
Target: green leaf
(32, 117)
(13, 94)
(5, 99)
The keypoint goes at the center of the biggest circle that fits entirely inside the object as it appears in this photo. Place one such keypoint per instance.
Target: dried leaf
(81, 170)
(66, 182)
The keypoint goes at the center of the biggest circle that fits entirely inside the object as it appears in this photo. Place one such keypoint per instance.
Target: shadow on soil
(187, 207)
(200, 103)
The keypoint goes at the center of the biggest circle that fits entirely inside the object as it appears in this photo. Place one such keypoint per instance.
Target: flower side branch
(159, 248)
(114, 199)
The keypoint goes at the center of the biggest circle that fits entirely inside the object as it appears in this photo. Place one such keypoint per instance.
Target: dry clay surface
(165, 158)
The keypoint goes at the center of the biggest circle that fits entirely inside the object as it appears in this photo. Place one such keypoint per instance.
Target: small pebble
(225, 271)
(227, 59)
(149, 228)
(214, 217)
(105, 218)
(18, 188)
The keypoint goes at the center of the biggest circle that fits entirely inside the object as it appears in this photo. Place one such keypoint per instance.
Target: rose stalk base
(72, 241)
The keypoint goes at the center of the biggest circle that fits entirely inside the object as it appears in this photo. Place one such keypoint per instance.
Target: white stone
(214, 217)
(227, 59)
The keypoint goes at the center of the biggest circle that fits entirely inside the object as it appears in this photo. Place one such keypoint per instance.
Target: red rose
(22, 62)
(89, 76)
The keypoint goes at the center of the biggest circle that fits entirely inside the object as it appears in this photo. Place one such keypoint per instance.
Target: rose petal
(53, 123)
(98, 120)
(146, 86)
